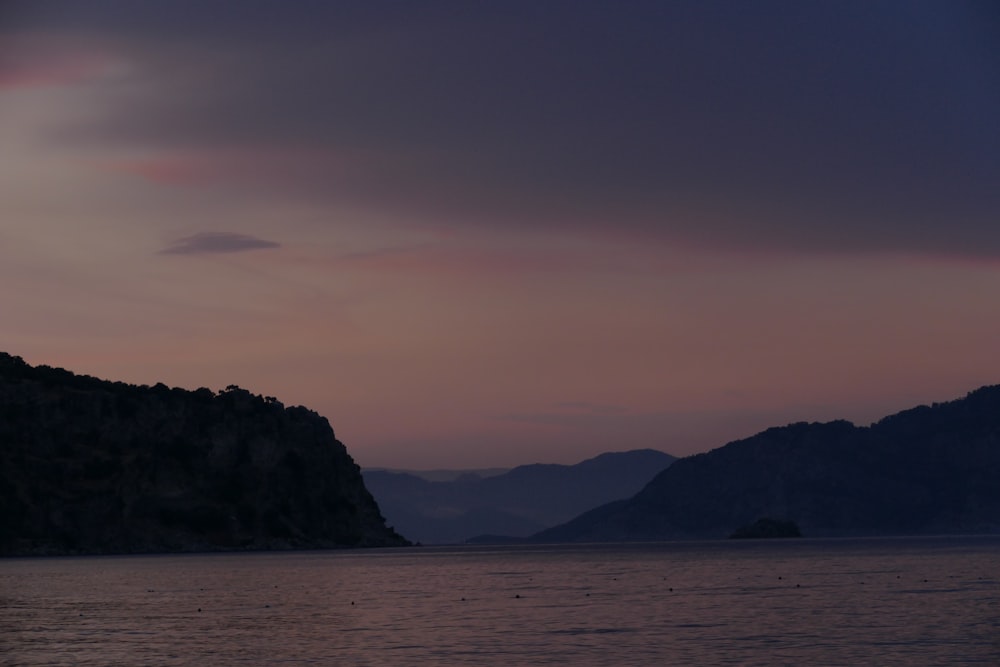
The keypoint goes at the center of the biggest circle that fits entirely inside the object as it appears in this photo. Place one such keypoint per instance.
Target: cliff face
(89, 466)
(929, 470)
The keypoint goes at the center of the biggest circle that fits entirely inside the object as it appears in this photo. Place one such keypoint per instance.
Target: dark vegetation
(91, 466)
(930, 470)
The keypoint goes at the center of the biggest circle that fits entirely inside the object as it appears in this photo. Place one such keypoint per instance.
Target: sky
(487, 234)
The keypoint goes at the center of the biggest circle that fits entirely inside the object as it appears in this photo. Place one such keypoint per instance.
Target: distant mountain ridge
(517, 503)
(926, 470)
(90, 466)
(441, 474)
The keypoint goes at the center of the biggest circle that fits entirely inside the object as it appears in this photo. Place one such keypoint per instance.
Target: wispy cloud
(216, 242)
(745, 148)
(165, 171)
(34, 61)
(470, 260)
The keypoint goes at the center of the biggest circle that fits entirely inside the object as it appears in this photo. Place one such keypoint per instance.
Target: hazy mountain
(442, 474)
(517, 503)
(89, 466)
(927, 470)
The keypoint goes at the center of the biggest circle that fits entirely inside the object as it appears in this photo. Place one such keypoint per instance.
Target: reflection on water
(850, 602)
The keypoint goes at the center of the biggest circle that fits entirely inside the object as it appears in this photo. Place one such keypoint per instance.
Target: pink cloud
(457, 260)
(49, 61)
(246, 166)
(594, 252)
(176, 170)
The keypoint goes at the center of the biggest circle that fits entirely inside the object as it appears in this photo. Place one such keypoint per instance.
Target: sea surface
(902, 601)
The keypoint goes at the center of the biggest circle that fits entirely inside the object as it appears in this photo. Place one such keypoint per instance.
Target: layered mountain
(516, 503)
(930, 470)
(89, 466)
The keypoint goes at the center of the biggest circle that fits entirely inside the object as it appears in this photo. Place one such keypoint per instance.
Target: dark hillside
(926, 470)
(90, 466)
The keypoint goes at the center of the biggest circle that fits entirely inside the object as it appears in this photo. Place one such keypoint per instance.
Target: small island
(766, 528)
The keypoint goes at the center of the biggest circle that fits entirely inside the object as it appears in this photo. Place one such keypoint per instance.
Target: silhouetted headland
(929, 470)
(89, 466)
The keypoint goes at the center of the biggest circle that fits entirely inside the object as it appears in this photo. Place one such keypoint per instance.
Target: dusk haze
(582, 332)
(485, 234)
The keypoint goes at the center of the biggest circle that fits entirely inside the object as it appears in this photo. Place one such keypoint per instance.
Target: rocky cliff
(90, 466)
(929, 470)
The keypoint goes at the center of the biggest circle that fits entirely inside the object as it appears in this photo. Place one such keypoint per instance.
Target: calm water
(819, 602)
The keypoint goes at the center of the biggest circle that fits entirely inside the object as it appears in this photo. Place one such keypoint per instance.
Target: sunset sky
(491, 233)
